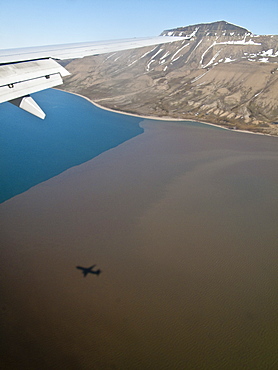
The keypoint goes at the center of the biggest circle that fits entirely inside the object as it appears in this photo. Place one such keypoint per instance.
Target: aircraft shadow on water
(88, 270)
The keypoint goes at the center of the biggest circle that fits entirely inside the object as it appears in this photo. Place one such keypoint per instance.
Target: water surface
(182, 220)
(74, 131)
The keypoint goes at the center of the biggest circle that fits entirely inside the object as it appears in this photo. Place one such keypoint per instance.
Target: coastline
(166, 118)
(136, 212)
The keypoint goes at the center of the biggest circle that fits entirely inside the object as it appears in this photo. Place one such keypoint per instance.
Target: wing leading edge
(28, 70)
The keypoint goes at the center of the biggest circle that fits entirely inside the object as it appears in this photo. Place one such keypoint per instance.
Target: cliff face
(221, 74)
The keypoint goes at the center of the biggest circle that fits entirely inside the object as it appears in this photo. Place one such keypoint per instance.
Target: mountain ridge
(210, 29)
(221, 73)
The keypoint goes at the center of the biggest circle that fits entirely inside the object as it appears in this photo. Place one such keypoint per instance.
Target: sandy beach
(166, 118)
(182, 220)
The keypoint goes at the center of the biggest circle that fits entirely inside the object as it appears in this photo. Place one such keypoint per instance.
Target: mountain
(207, 29)
(221, 73)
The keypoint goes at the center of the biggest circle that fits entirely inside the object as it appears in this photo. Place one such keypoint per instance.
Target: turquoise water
(73, 132)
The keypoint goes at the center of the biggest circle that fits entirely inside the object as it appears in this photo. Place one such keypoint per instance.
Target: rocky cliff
(220, 73)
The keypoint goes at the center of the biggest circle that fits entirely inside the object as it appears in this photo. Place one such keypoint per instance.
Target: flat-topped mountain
(220, 28)
(221, 74)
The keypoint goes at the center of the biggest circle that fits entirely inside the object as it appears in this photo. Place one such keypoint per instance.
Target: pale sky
(47, 22)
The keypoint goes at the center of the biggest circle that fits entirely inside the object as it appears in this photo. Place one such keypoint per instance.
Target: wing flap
(19, 79)
(17, 72)
(13, 91)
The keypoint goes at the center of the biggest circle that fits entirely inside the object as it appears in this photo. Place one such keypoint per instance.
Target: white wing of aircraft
(28, 70)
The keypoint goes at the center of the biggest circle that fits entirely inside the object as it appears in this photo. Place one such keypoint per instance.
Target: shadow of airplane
(88, 270)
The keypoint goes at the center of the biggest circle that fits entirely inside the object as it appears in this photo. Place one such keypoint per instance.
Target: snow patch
(229, 60)
(267, 53)
(194, 32)
(197, 78)
(176, 59)
(204, 53)
(159, 51)
(110, 56)
(213, 59)
(149, 65)
(240, 42)
(148, 52)
(263, 60)
(152, 59)
(172, 59)
(257, 94)
(132, 62)
(165, 55)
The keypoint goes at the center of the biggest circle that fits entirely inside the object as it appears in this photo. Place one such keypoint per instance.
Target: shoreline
(165, 118)
(135, 211)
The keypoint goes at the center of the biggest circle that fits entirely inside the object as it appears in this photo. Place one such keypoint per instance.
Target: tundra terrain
(221, 74)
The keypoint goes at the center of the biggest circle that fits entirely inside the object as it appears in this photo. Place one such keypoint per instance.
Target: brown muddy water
(182, 221)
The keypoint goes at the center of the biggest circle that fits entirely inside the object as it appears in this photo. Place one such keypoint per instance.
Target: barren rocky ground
(220, 74)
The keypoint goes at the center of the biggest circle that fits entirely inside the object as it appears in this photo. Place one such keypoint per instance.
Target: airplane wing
(28, 70)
